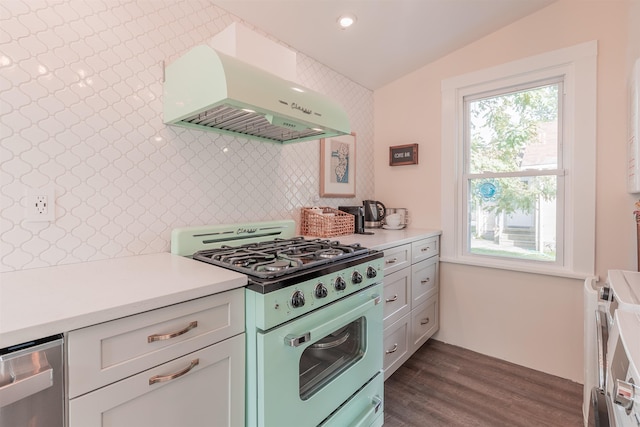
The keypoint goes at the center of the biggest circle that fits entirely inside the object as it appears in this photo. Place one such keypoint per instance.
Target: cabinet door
(209, 393)
(397, 295)
(397, 345)
(424, 322)
(424, 280)
(396, 258)
(425, 248)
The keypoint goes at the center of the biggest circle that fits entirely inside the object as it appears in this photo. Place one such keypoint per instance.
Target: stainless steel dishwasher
(32, 384)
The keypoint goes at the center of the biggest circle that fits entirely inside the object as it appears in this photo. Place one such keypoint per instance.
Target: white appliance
(624, 291)
(617, 403)
(596, 334)
(208, 90)
(623, 368)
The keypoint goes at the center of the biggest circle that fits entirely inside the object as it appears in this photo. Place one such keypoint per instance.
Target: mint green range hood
(207, 90)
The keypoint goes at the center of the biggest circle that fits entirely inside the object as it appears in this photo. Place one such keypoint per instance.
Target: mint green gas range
(314, 320)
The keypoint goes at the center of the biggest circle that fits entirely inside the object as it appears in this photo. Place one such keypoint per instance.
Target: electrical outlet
(40, 205)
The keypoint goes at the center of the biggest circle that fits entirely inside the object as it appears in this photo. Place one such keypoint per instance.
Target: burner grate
(279, 257)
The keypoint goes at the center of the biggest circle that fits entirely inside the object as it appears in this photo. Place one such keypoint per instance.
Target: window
(518, 152)
(513, 172)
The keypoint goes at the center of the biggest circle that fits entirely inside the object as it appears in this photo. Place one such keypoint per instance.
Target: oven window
(328, 357)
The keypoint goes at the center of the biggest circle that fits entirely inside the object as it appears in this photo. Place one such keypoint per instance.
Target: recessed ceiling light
(346, 20)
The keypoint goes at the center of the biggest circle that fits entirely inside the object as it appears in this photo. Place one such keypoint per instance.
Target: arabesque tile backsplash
(81, 110)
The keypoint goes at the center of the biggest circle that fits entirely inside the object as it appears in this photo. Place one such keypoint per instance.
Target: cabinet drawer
(397, 295)
(397, 345)
(396, 258)
(425, 248)
(424, 322)
(424, 280)
(102, 354)
(209, 393)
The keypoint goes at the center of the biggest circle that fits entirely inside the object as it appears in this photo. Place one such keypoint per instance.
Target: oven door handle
(297, 340)
(371, 412)
(24, 387)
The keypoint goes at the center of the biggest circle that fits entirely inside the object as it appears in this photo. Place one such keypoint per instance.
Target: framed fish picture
(338, 166)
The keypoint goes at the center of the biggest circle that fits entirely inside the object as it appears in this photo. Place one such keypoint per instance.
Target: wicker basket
(332, 222)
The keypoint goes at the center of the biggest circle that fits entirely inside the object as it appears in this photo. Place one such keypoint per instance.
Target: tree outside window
(512, 164)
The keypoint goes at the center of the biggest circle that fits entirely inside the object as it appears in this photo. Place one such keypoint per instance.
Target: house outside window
(513, 171)
(518, 162)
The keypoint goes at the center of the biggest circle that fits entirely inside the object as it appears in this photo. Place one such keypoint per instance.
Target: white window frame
(577, 65)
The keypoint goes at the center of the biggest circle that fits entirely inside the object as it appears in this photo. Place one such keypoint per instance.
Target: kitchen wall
(633, 37)
(532, 320)
(81, 111)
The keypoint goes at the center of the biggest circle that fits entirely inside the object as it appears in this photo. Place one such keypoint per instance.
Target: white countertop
(40, 302)
(383, 239)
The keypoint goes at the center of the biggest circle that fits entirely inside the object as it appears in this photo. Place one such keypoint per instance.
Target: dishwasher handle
(18, 390)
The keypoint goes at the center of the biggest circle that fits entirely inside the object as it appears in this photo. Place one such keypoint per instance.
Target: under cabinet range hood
(208, 90)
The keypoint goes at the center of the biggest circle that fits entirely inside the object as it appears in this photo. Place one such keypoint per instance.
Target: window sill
(519, 267)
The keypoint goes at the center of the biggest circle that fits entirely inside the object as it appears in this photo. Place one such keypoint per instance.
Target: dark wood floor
(445, 385)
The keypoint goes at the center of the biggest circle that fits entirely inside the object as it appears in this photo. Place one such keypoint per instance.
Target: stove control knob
(340, 284)
(321, 291)
(297, 299)
(356, 277)
(371, 272)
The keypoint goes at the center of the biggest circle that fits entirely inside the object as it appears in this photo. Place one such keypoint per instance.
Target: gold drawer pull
(424, 321)
(163, 378)
(157, 337)
(395, 298)
(425, 249)
(391, 261)
(393, 350)
(425, 281)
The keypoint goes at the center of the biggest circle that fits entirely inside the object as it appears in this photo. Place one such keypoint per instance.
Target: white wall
(529, 319)
(81, 110)
(633, 50)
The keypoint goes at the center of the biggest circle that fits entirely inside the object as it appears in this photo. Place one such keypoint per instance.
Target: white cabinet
(424, 322)
(397, 258)
(411, 312)
(397, 295)
(397, 345)
(424, 281)
(178, 365)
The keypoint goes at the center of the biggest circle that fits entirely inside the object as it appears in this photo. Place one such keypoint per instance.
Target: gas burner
(243, 262)
(330, 253)
(276, 266)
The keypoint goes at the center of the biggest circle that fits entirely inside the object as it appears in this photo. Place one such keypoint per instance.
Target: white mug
(393, 220)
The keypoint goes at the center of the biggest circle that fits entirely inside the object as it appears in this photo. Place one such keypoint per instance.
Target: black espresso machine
(358, 212)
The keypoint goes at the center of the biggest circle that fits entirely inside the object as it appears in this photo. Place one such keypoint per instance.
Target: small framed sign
(400, 155)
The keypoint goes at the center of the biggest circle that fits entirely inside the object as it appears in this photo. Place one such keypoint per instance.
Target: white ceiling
(390, 39)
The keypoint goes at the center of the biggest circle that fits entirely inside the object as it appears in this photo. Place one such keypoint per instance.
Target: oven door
(309, 367)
